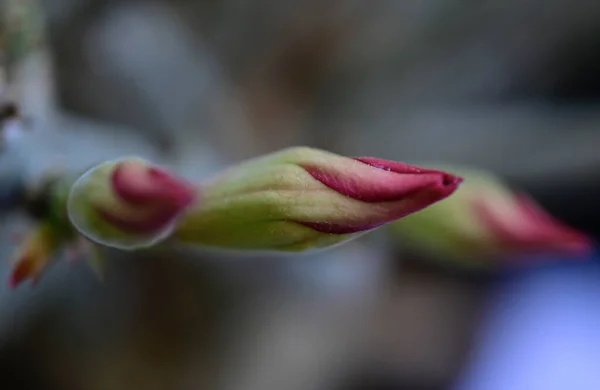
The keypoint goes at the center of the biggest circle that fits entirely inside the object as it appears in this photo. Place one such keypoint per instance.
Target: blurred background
(509, 86)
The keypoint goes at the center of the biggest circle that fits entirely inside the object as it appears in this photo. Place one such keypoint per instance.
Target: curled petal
(388, 182)
(129, 203)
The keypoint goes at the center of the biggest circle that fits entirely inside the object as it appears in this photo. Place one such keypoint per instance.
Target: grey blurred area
(510, 86)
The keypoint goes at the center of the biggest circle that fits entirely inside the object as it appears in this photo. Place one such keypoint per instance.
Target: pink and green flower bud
(128, 204)
(485, 219)
(300, 199)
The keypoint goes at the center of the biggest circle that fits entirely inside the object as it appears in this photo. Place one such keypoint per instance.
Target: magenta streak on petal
(396, 182)
(403, 188)
(447, 179)
(151, 224)
(150, 185)
(411, 203)
(533, 229)
(396, 167)
(332, 228)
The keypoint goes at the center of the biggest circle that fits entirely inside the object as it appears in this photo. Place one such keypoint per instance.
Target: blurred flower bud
(43, 247)
(35, 255)
(301, 198)
(484, 218)
(128, 204)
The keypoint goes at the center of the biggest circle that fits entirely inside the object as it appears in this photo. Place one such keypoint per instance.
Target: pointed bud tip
(450, 183)
(447, 179)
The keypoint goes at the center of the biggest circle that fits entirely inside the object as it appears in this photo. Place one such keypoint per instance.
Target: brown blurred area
(509, 85)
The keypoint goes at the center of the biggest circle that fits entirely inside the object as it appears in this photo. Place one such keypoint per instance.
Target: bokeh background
(509, 86)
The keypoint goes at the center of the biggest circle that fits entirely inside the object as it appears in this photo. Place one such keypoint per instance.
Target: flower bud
(484, 218)
(35, 254)
(128, 204)
(302, 198)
